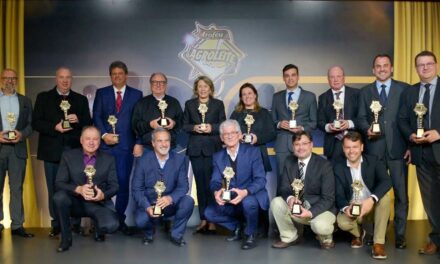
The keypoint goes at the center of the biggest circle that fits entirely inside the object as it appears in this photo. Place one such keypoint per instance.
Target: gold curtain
(12, 56)
(416, 28)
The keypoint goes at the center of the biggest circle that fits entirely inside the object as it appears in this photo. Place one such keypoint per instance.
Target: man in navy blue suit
(156, 169)
(247, 186)
(118, 100)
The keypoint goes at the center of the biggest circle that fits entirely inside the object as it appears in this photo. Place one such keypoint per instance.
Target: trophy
(293, 106)
(159, 187)
(228, 174)
(249, 120)
(297, 186)
(65, 106)
(375, 108)
(338, 106)
(112, 120)
(90, 172)
(203, 108)
(356, 205)
(163, 106)
(420, 111)
(11, 118)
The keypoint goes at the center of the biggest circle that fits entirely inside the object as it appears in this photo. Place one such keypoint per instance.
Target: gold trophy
(112, 120)
(65, 106)
(203, 108)
(249, 120)
(11, 135)
(228, 174)
(375, 108)
(293, 106)
(297, 186)
(338, 106)
(159, 187)
(420, 111)
(357, 204)
(163, 106)
(90, 172)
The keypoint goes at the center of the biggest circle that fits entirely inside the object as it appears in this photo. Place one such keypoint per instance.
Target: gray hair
(228, 123)
(158, 130)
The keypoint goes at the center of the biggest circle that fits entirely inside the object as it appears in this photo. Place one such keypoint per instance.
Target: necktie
(301, 170)
(289, 99)
(338, 95)
(383, 95)
(426, 98)
(118, 101)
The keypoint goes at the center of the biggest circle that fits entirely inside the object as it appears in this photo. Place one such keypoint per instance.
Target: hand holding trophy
(356, 205)
(420, 111)
(297, 186)
(163, 122)
(90, 172)
(65, 106)
(160, 188)
(375, 107)
(112, 120)
(12, 119)
(338, 106)
(249, 121)
(203, 109)
(228, 174)
(293, 106)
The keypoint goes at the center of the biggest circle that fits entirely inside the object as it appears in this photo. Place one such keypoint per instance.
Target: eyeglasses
(9, 78)
(301, 144)
(230, 134)
(426, 65)
(161, 83)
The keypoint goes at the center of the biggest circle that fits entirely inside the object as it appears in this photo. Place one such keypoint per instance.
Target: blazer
(24, 125)
(327, 114)
(249, 174)
(148, 172)
(391, 141)
(374, 175)
(408, 120)
(319, 183)
(305, 116)
(47, 114)
(203, 144)
(105, 105)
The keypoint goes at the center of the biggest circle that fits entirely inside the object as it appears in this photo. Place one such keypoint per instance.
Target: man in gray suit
(389, 145)
(305, 114)
(15, 128)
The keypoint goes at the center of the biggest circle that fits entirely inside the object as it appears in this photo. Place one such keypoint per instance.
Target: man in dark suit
(170, 169)
(318, 195)
(375, 183)
(53, 139)
(16, 118)
(79, 195)
(389, 145)
(147, 115)
(425, 150)
(348, 97)
(118, 100)
(305, 115)
(247, 186)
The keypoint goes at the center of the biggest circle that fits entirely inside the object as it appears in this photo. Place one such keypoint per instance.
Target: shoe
(357, 242)
(21, 232)
(99, 237)
(378, 251)
(64, 245)
(249, 242)
(235, 236)
(178, 241)
(148, 239)
(429, 249)
(280, 244)
(400, 243)
(54, 232)
(327, 245)
(125, 229)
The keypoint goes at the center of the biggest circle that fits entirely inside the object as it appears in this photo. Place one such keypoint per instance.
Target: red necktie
(118, 102)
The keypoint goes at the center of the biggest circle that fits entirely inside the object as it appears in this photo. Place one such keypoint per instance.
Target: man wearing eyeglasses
(425, 148)
(15, 128)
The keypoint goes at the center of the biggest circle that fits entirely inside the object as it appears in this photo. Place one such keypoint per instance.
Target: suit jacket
(319, 183)
(249, 174)
(146, 109)
(148, 172)
(105, 105)
(71, 174)
(203, 144)
(391, 141)
(327, 114)
(47, 114)
(24, 125)
(408, 120)
(374, 175)
(305, 116)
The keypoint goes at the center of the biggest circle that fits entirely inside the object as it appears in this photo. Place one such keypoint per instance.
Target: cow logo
(210, 50)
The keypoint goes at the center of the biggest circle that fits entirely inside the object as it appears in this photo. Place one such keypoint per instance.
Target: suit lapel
(348, 178)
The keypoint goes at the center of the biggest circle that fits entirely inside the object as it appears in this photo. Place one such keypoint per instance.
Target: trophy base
(420, 132)
(296, 209)
(116, 138)
(375, 128)
(337, 124)
(163, 122)
(66, 124)
(157, 210)
(292, 124)
(11, 135)
(226, 196)
(355, 210)
(247, 138)
(203, 126)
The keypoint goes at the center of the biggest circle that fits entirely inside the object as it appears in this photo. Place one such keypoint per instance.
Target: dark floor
(202, 249)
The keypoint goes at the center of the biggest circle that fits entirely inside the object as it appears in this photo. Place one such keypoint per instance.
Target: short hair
(158, 73)
(91, 127)
(383, 55)
(336, 66)
(117, 64)
(352, 136)
(159, 130)
(207, 80)
(240, 106)
(425, 53)
(62, 68)
(8, 69)
(290, 66)
(297, 136)
(229, 122)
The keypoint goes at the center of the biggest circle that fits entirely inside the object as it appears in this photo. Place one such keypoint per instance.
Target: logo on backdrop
(210, 50)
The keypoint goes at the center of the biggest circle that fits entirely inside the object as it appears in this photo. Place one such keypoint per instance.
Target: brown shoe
(280, 244)
(357, 242)
(327, 245)
(429, 249)
(378, 251)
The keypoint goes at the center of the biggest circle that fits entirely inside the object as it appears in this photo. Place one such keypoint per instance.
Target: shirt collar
(233, 155)
(360, 163)
(306, 160)
(288, 90)
(433, 82)
(122, 90)
(342, 90)
(387, 83)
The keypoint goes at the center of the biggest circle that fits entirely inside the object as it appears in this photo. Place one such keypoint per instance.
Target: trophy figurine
(11, 135)
(338, 106)
(163, 106)
(420, 111)
(203, 108)
(112, 120)
(375, 108)
(65, 106)
(293, 106)
(228, 174)
(159, 187)
(356, 205)
(90, 172)
(297, 186)
(249, 120)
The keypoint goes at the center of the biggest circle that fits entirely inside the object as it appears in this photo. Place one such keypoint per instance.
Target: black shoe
(368, 240)
(178, 242)
(148, 239)
(21, 232)
(99, 237)
(54, 231)
(249, 242)
(235, 236)
(125, 229)
(400, 243)
(64, 245)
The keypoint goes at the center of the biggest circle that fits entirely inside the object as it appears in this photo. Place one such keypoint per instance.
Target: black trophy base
(296, 209)
(356, 210)
(66, 124)
(163, 122)
(157, 211)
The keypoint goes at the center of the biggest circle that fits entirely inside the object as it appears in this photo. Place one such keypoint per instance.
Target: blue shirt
(9, 104)
(295, 96)
(387, 89)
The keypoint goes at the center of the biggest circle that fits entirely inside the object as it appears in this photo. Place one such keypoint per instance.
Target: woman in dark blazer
(204, 141)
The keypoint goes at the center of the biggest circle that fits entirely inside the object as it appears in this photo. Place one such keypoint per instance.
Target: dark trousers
(202, 169)
(124, 164)
(50, 171)
(181, 211)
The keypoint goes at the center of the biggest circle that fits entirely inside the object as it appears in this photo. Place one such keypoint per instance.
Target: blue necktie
(383, 95)
(426, 98)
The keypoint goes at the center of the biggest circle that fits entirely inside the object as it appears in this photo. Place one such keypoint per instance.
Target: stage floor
(202, 249)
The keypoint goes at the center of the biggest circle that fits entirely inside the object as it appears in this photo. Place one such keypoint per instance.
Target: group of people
(371, 135)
